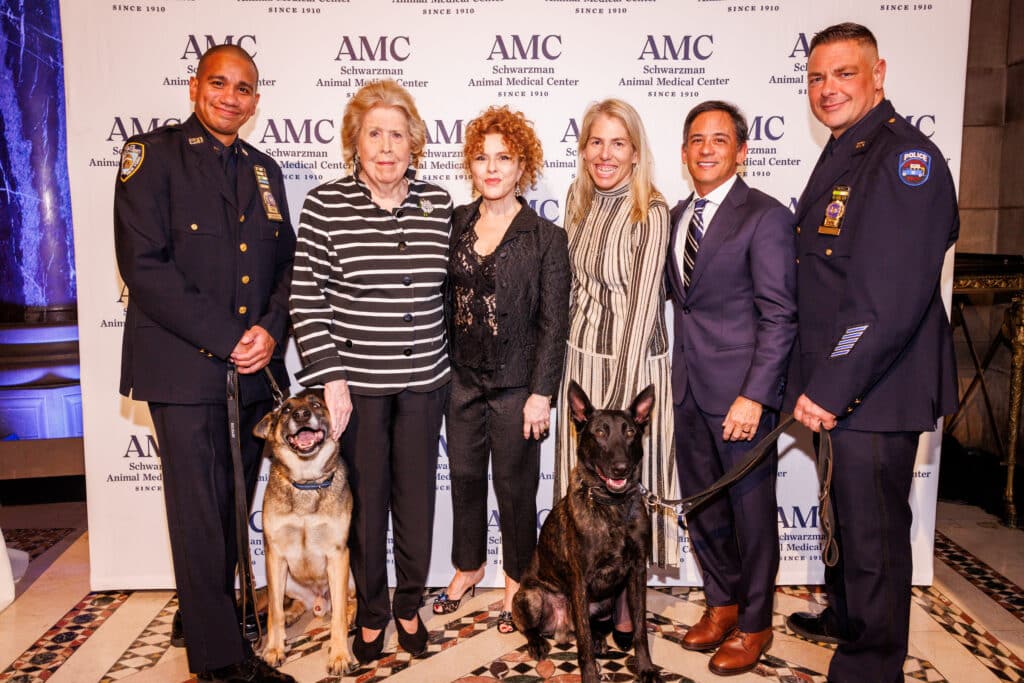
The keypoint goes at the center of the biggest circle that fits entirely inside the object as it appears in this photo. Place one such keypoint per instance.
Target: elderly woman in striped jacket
(367, 309)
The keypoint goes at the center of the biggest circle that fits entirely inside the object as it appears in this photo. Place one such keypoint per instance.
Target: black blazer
(532, 280)
(203, 262)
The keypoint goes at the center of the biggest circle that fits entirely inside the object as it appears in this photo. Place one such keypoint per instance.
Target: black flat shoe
(822, 628)
(250, 670)
(413, 643)
(365, 652)
(623, 639)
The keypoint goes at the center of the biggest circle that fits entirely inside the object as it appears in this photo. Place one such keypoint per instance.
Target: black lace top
(476, 327)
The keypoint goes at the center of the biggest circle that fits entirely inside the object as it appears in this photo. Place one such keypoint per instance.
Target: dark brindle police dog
(307, 508)
(595, 542)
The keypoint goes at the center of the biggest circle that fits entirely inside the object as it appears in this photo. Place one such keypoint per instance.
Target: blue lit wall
(36, 242)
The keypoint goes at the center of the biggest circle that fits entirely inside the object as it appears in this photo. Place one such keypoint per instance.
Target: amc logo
(800, 47)
(446, 133)
(529, 48)
(767, 128)
(548, 209)
(195, 45)
(125, 127)
(303, 132)
(571, 132)
(374, 49)
(923, 122)
(669, 48)
(803, 518)
(141, 446)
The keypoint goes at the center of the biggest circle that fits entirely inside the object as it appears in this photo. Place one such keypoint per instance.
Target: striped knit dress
(618, 342)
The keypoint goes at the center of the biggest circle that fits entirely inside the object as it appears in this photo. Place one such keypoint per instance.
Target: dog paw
(274, 656)
(539, 648)
(339, 661)
(650, 676)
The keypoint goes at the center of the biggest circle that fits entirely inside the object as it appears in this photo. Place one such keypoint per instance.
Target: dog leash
(245, 578)
(830, 548)
(274, 389)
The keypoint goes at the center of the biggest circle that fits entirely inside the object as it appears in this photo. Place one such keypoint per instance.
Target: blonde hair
(641, 185)
(517, 133)
(384, 93)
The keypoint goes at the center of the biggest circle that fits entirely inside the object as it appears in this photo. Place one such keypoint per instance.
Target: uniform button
(407, 352)
(402, 246)
(849, 409)
(194, 227)
(245, 279)
(798, 260)
(407, 317)
(407, 280)
(798, 229)
(243, 247)
(348, 343)
(276, 232)
(856, 401)
(243, 309)
(241, 219)
(202, 350)
(828, 252)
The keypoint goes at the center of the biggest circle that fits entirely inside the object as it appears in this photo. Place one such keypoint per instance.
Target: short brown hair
(518, 134)
(844, 31)
(385, 93)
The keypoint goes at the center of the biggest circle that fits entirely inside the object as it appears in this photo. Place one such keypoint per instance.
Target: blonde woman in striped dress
(618, 226)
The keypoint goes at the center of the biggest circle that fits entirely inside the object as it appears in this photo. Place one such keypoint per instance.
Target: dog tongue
(306, 438)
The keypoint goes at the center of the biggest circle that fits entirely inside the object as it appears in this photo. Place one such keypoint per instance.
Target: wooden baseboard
(31, 458)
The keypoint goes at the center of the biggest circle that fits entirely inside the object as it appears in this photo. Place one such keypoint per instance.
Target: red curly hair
(518, 134)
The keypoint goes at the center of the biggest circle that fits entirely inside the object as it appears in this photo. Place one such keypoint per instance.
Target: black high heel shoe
(445, 605)
(367, 651)
(414, 643)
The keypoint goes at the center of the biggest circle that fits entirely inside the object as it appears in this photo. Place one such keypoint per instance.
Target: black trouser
(869, 588)
(390, 449)
(735, 535)
(198, 484)
(483, 421)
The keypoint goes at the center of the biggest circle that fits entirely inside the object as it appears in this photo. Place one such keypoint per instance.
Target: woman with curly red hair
(507, 310)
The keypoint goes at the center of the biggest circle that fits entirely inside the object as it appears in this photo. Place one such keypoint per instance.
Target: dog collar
(314, 485)
(598, 495)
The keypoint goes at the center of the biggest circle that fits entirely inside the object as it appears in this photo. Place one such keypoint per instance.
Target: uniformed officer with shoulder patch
(873, 362)
(205, 246)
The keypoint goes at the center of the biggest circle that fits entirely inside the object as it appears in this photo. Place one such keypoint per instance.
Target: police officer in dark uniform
(873, 362)
(205, 245)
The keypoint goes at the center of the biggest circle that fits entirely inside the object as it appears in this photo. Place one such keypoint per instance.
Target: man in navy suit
(732, 280)
(874, 360)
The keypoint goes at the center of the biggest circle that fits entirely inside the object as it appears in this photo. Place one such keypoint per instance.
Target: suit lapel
(678, 232)
(724, 223)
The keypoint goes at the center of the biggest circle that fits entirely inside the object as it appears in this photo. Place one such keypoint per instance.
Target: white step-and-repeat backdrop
(127, 67)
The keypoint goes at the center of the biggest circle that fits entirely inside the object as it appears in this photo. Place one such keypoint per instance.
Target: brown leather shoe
(740, 652)
(713, 628)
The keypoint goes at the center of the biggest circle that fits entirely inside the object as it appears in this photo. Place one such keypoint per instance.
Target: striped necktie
(694, 234)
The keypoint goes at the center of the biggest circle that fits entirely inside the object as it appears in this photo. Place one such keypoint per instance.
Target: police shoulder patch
(131, 159)
(914, 167)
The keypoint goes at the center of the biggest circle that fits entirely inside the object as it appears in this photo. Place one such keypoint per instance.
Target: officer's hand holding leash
(253, 351)
(811, 415)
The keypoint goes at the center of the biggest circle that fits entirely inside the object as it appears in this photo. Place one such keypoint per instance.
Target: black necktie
(694, 234)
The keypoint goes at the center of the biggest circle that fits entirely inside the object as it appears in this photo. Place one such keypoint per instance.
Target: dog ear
(579, 404)
(642, 405)
(262, 429)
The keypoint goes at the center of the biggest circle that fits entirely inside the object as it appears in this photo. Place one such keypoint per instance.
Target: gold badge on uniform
(835, 211)
(196, 140)
(269, 203)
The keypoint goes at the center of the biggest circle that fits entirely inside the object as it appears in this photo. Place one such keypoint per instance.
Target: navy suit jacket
(735, 326)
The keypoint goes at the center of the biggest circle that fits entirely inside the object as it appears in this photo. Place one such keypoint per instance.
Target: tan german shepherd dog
(307, 508)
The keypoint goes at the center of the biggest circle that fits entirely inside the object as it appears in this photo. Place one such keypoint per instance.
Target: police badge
(834, 212)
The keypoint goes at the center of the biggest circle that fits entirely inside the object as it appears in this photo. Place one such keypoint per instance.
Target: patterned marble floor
(967, 627)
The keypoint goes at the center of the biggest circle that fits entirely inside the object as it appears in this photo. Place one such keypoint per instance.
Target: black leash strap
(245, 579)
(829, 547)
(274, 389)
